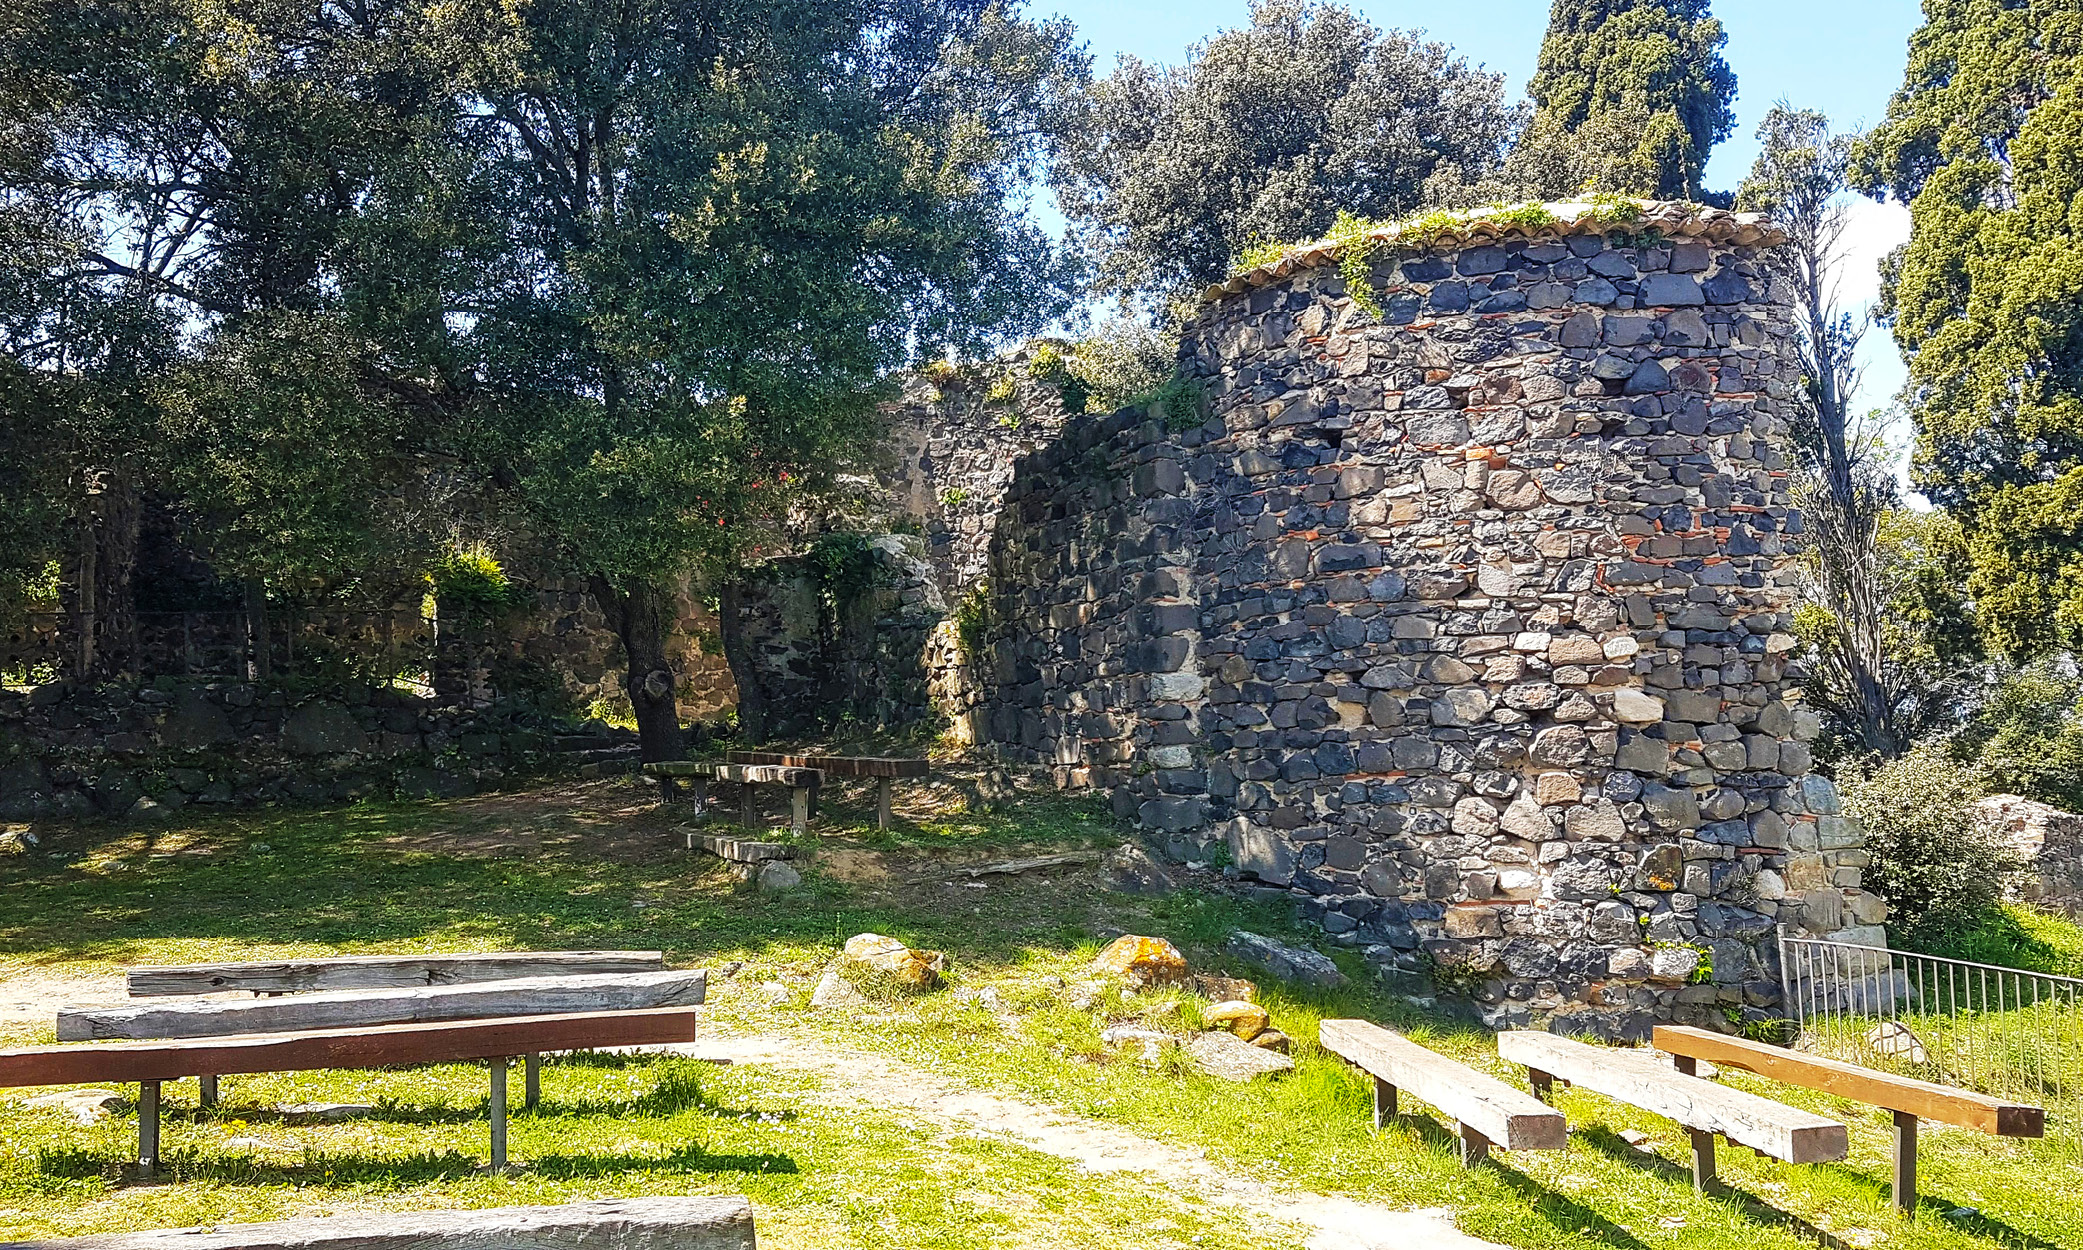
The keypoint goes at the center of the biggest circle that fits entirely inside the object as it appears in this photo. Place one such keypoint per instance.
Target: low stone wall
(1465, 625)
(116, 752)
(2049, 846)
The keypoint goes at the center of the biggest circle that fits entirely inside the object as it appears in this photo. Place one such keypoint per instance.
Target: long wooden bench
(723, 1223)
(379, 972)
(1703, 1108)
(274, 978)
(347, 1009)
(1486, 1111)
(885, 770)
(802, 786)
(1909, 1100)
(152, 1063)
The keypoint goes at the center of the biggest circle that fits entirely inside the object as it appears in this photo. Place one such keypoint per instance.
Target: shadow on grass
(320, 1169)
(1749, 1205)
(1938, 1212)
(1565, 1214)
(352, 878)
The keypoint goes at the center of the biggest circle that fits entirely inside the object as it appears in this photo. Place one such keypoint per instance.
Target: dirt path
(857, 1077)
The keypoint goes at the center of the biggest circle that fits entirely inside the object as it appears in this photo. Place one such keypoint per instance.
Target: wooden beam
(839, 765)
(380, 972)
(723, 1223)
(1637, 1078)
(739, 850)
(1505, 1117)
(341, 1048)
(345, 1009)
(1923, 1099)
(744, 774)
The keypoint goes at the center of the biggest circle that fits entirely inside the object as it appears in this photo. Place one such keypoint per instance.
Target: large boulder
(1289, 963)
(873, 957)
(322, 728)
(1142, 961)
(195, 723)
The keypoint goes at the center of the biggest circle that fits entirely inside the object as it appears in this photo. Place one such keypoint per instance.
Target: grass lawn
(598, 866)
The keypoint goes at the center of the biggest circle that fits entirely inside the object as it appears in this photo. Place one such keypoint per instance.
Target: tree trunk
(104, 609)
(639, 614)
(260, 660)
(752, 701)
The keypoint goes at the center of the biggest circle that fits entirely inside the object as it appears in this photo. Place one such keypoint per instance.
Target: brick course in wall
(1465, 625)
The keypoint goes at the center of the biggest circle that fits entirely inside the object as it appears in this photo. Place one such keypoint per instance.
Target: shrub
(1939, 868)
(470, 582)
(2028, 736)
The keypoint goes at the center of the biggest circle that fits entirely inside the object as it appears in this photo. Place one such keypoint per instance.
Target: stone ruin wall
(1465, 627)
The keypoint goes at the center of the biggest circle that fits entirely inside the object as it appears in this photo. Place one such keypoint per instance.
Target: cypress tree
(1632, 96)
(1985, 144)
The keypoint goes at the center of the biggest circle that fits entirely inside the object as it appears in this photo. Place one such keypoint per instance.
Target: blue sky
(1844, 57)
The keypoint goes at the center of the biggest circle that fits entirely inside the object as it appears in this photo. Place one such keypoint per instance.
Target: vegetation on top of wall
(1358, 240)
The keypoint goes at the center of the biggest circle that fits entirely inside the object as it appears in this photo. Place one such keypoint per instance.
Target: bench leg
(668, 790)
(750, 805)
(532, 1082)
(883, 786)
(1543, 1084)
(498, 1115)
(1906, 1164)
(1686, 1064)
(206, 1092)
(1474, 1147)
(1703, 1181)
(799, 809)
(147, 1129)
(1384, 1103)
(700, 788)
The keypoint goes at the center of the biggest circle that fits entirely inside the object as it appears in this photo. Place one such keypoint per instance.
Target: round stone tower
(1460, 612)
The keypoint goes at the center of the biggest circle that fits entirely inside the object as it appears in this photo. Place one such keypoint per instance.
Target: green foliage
(1939, 869)
(1986, 299)
(1181, 402)
(1923, 645)
(975, 623)
(470, 582)
(1051, 367)
(954, 496)
(1175, 171)
(2011, 936)
(1124, 363)
(2027, 737)
(1356, 242)
(846, 567)
(1632, 95)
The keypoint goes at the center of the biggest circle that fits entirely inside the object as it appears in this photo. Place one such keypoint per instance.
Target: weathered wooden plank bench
(1485, 1110)
(723, 1223)
(1703, 1108)
(152, 1063)
(275, 978)
(802, 785)
(1909, 1100)
(886, 770)
(348, 1009)
(379, 972)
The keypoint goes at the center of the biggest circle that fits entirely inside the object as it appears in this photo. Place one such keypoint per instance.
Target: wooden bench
(1909, 1100)
(884, 769)
(1702, 1108)
(379, 972)
(349, 1009)
(274, 978)
(1486, 1111)
(152, 1063)
(723, 1223)
(802, 784)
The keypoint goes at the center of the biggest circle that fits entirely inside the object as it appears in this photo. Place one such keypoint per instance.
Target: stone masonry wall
(1466, 626)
